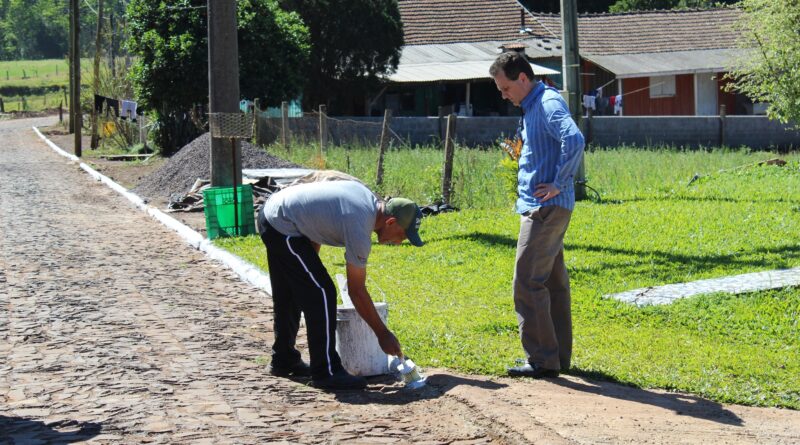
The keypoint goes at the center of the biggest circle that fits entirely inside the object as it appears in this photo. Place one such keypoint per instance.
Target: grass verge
(450, 301)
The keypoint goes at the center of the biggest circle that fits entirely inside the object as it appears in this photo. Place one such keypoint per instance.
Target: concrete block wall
(691, 131)
(606, 131)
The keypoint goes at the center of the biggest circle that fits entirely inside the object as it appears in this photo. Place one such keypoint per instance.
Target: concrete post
(571, 67)
(223, 88)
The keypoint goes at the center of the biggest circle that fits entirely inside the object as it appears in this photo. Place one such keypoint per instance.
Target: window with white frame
(662, 86)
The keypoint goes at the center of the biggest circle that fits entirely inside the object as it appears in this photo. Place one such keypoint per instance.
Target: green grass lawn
(38, 81)
(450, 302)
(33, 73)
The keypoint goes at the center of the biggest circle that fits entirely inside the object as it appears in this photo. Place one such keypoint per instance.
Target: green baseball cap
(408, 216)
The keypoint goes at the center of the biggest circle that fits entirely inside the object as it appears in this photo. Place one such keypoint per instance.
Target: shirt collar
(535, 92)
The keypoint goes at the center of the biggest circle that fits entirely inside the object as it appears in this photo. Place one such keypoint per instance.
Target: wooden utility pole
(76, 77)
(111, 47)
(447, 176)
(223, 88)
(387, 116)
(70, 112)
(98, 40)
(571, 62)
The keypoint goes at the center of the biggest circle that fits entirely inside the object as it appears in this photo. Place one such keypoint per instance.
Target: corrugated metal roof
(452, 61)
(668, 63)
(444, 71)
(462, 52)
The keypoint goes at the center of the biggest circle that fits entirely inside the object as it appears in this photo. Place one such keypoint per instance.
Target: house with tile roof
(659, 62)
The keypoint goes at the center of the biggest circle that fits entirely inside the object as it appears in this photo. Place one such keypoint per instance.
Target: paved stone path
(111, 327)
(737, 284)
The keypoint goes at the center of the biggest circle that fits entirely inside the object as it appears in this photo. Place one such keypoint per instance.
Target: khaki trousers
(541, 288)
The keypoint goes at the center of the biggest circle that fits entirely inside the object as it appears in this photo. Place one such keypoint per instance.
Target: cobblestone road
(112, 328)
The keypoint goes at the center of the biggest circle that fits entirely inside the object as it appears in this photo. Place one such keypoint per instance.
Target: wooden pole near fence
(285, 125)
(387, 115)
(722, 114)
(323, 129)
(447, 176)
(256, 110)
(2, 106)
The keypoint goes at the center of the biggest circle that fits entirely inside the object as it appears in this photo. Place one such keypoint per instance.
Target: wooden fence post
(323, 129)
(285, 125)
(2, 106)
(722, 114)
(387, 115)
(256, 109)
(143, 131)
(447, 176)
(61, 112)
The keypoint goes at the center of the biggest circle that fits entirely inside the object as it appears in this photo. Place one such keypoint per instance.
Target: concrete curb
(246, 271)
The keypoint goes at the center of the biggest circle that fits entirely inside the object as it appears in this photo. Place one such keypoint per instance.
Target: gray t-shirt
(334, 213)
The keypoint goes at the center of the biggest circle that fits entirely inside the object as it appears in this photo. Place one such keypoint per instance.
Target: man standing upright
(551, 153)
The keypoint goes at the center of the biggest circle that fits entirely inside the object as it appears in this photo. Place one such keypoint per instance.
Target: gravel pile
(193, 162)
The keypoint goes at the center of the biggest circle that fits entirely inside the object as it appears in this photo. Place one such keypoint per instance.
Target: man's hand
(389, 344)
(546, 191)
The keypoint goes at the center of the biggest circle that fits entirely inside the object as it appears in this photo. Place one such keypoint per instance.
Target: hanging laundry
(98, 103)
(618, 104)
(112, 104)
(588, 102)
(129, 109)
(602, 106)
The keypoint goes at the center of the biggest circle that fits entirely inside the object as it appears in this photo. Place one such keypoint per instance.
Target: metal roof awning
(668, 63)
(452, 71)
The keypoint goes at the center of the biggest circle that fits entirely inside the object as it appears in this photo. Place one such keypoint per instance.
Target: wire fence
(319, 127)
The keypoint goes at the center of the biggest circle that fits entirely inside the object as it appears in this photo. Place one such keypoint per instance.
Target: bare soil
(113, 330)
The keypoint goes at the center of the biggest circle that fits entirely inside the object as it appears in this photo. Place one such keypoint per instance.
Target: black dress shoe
(532, 370)
(296, 369)
(340, 380)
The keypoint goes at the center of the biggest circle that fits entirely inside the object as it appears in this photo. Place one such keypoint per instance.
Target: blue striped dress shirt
(551, 152)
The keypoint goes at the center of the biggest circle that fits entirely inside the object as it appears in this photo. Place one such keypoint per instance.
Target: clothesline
(640, 89)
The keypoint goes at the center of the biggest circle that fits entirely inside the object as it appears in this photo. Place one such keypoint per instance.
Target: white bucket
(357, 345)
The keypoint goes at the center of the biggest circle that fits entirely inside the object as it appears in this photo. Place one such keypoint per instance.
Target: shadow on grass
(679, 198)
(788, 253)
(437, 385)
(20, 430)
(681, 404)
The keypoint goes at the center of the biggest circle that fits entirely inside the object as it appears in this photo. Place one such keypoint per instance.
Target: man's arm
(561, 127)
(357, 288)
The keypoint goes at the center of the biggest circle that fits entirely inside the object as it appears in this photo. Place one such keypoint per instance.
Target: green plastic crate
(219, 211)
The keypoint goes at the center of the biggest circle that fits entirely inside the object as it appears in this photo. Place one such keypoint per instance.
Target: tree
(771, 72)
(554, 6)
(646, 5)
(170, 76)
(33, 30)
(353, 43)
(36, 29)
